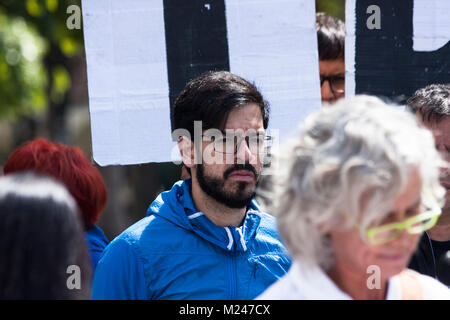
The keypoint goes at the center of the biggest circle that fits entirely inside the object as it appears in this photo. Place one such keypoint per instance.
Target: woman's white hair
(350, 163)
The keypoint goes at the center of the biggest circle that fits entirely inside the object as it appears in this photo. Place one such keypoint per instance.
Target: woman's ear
(186, 147)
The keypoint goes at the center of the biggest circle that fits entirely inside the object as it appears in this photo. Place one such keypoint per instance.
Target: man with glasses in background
(206, 238)
(331, 44)
(432, 106)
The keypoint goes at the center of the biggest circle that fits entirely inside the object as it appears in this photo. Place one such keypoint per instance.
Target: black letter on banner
(196, 41)
(385, 62)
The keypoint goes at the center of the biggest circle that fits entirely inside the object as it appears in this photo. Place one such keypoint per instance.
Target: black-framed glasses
(258, 144)
(336, 82)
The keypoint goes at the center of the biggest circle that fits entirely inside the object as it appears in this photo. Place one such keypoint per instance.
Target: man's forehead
(247, 117)
(242, 132)
(435, 122)
(444, 129)
(331, 67)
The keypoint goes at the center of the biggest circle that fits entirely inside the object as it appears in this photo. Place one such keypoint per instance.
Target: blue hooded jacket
(97, 242)
(176, 252)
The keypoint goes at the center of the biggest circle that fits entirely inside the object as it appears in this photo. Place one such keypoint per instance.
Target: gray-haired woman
(352, 196)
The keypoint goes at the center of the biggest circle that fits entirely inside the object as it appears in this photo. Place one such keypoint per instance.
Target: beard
(215, 187)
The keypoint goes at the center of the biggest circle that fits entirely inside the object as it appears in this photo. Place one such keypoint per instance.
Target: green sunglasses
(414, 225)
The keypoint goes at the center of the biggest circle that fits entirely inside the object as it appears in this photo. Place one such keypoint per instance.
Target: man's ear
(186, 147)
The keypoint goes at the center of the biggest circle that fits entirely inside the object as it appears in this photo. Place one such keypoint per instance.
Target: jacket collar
(178, 207)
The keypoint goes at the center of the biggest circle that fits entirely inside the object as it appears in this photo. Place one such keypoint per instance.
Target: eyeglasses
(231, 144)
(336, 82)
(414, 225)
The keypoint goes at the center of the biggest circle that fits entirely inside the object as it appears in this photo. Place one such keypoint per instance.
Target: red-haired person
(70, 166)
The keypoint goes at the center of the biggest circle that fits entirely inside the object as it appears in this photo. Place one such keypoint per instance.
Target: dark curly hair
(330, 37)
(211, 97)
(432, 103)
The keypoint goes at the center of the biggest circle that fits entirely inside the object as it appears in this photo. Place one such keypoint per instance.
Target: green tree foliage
(35, 51)
(22, 74)
(335, 8)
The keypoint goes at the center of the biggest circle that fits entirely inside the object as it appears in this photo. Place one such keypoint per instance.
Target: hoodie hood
(178, 207)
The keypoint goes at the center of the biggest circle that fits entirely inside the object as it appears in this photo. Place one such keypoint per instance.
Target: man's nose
(326, 92)
(243, 153)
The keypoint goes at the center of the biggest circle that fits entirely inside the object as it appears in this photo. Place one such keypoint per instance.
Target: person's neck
(441, 231)
(218, 213)
(355, 284)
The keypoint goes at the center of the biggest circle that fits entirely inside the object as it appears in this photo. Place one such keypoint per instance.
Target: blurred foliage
(35, 47)
(335, 8)
(61, 83)
(22, 74)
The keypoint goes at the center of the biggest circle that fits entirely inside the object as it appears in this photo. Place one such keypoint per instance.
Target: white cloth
(302, 283)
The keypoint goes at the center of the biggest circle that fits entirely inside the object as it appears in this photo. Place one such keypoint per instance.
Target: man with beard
(206, 238)
(432, 106)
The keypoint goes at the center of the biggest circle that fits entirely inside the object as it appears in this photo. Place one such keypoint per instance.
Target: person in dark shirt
(432, 106)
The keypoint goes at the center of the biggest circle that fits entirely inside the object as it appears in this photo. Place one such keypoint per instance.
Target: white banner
(270, 43)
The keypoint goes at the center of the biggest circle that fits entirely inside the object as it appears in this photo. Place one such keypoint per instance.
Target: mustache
(237, 167)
